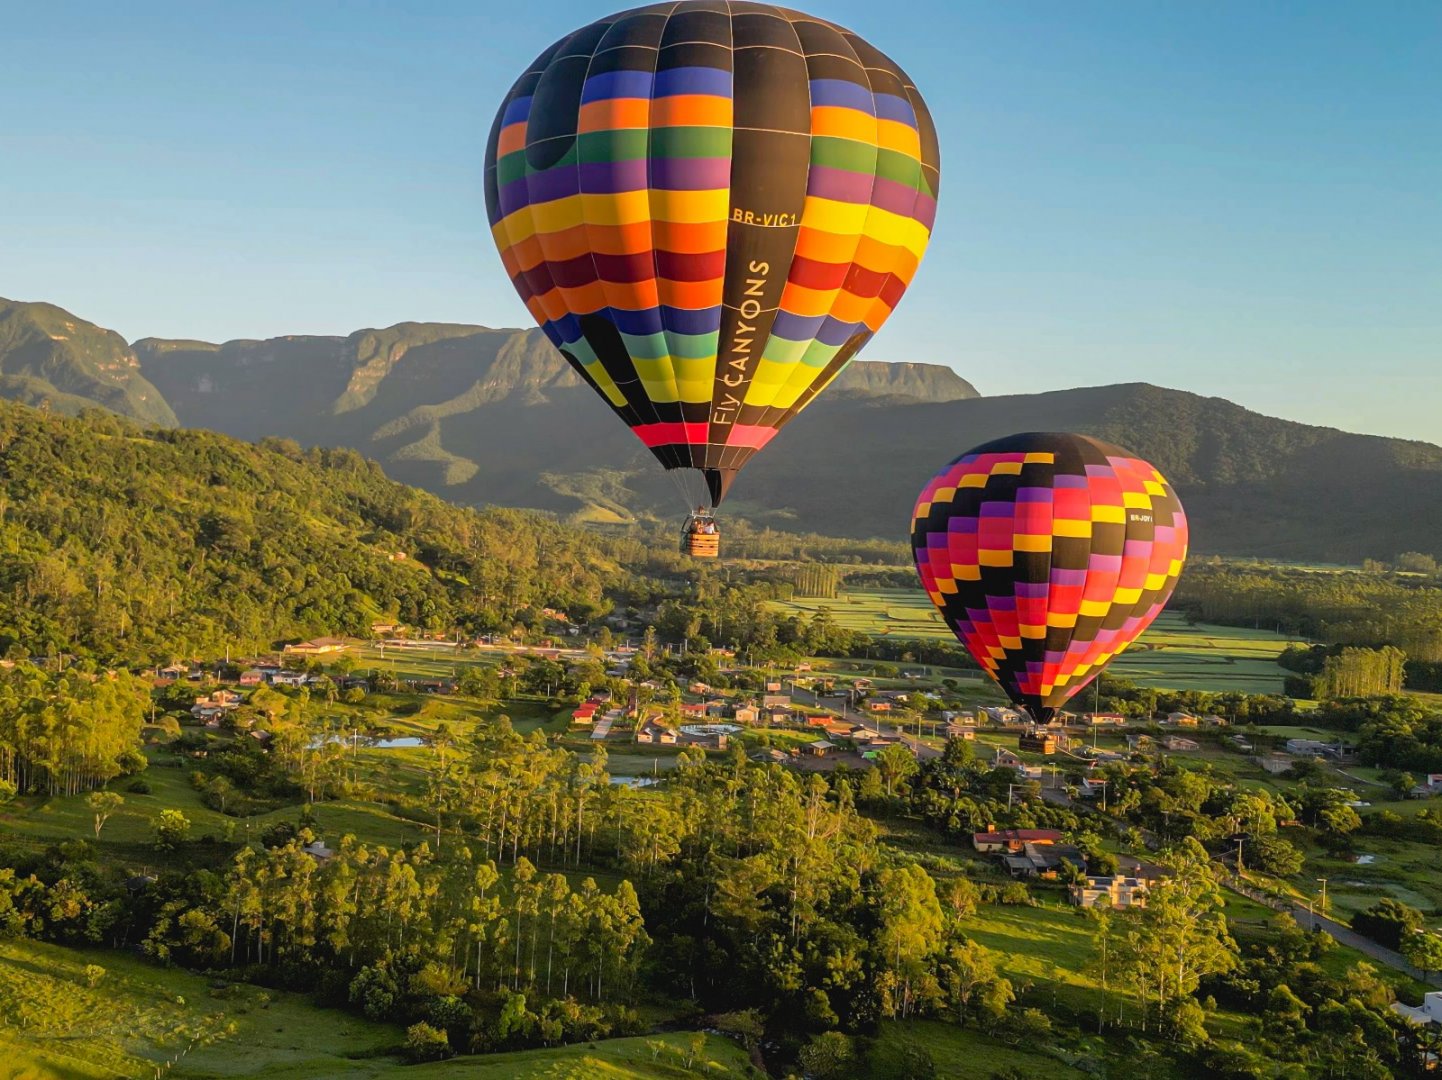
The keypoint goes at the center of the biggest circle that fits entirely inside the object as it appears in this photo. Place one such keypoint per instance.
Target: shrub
(425, 1043)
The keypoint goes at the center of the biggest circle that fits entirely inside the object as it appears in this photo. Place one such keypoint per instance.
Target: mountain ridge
(496, 416)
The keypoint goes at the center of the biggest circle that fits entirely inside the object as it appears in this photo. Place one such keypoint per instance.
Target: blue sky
(1240, 199)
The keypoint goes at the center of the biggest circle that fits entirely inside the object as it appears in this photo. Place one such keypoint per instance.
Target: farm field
(1173, 654)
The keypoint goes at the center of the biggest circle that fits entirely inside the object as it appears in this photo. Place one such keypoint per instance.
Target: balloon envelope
(709, 208)
(1047, 555)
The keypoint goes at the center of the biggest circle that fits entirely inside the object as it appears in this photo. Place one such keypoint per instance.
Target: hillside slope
(140, 545)
(51, 358)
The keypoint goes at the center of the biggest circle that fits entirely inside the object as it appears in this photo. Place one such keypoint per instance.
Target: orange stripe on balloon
(841, 123)
(511, 139)
(691, 110)
(614, 114)
(690, 237)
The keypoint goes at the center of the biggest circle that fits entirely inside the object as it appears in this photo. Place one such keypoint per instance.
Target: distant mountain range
(496, 416)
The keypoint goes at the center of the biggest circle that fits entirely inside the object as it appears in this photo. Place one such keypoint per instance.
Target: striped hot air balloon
(1048, 555)
(709, 206)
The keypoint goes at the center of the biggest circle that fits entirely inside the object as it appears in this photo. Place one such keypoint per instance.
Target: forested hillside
(134, 545)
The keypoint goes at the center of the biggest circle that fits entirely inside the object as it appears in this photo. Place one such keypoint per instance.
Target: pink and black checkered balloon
(1047, 555)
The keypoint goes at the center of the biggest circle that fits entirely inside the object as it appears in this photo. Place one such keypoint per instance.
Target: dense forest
(134, 545)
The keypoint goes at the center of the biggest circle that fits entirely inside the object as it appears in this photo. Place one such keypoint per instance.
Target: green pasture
(141, 1017)
(959, 1053)
(1173, 654)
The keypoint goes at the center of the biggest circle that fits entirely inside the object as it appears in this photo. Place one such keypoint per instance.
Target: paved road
(843, 707)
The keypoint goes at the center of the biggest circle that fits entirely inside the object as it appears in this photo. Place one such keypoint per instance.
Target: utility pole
(1324, 896)
(1240, 868)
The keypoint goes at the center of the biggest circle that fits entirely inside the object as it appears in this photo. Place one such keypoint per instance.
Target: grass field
(140, 1017)
(1173, 654)
(959, 1053)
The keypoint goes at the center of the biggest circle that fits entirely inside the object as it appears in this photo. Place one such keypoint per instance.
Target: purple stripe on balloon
(1067, 577)
(834, 332)
(794, 327)
(891, 107)
(692, 80)
(517, 109)
(1100, 470)
(1069, 481)
(925, 211)
(690, 174)
(1033, 590)
(997, 509)
(962, 524)
(1001, 603)
(841, 185)
(611, 177)
(616, 84)
(1106, 563)
(1034, 495)
(839, 93)
(552, 184)
(896, 197)
(1136, 547)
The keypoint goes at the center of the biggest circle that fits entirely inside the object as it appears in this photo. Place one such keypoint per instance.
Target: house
(1429, 1012)
(779, 717)
(1042, 860)
(654, 732)
(585, 713)
(1091, 789)
(1117, 891)
(262, 738)
(771, 755)
(960, 731)
(773, 687)
(1431, 785)
(776, 701)
(745, 714)
(1307, 747)
(693, 710)
(1275, 763)
(317, 850)
(1004, 759)
(1139, 742)
(317, 646)
(1177, 742)
(1029, 772)
(1037, 741)
(1013, 840)
(1214, 721)
(252, 677)
(1104, 719)
(820, 748)
(878, 706)
(1181, 719)
(289, 678)
(174, 672)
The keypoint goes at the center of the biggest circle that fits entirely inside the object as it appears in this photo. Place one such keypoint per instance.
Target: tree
(1388, 922)
(895, 763)
(1275, 856)
(1423, 949)
(94, 974)
(827, 1054)
(171, 829)
(103, 804)
(1180, 936)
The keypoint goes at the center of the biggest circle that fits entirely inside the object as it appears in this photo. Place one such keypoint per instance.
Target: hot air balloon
(709, 208)
(1047, 555)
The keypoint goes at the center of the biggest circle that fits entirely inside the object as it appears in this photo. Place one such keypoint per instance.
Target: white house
(1429, 1012)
